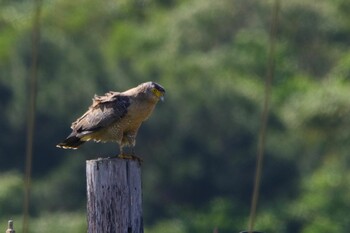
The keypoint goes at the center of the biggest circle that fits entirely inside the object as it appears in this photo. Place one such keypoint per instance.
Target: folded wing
(104, 111)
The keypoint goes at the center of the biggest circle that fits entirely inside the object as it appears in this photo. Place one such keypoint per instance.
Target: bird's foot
(130, 156)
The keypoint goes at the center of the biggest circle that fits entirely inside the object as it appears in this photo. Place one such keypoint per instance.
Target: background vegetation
(199, 146)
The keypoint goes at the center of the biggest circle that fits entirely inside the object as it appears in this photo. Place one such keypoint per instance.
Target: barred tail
(71, 142)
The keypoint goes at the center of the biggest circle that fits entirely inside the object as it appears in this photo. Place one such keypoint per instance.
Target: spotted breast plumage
(115, 116)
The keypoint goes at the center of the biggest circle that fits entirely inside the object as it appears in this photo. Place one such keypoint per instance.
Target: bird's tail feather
(71, 142)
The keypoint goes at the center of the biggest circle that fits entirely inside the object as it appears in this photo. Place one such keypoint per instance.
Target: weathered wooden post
(114, 196)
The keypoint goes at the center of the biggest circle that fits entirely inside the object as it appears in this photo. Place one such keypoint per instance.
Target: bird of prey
(115, 116)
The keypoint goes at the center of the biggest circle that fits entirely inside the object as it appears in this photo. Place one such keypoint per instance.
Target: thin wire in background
(265, 114)
(31, 112)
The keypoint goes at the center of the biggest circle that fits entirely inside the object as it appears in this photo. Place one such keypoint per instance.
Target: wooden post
(10, 227)
(114, 196)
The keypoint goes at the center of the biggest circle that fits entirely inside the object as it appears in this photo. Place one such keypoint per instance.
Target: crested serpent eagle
(115, 116)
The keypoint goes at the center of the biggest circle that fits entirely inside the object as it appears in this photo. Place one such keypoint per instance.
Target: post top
(131, 159)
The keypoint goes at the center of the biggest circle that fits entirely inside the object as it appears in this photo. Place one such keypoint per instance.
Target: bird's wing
(104, 110)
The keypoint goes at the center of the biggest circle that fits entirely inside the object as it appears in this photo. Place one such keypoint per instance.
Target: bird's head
(154, 90)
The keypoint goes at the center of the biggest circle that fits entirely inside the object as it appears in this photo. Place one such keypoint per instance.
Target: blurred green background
(199, 146)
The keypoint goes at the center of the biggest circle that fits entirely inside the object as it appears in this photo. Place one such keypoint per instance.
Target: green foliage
(53, 222)
(169, 226)
(60, 191)
(11, 194)
(58, 222)
(200, 145)
(326, 191)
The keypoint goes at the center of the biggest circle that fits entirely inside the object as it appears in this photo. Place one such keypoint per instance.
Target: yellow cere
(157, 93)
